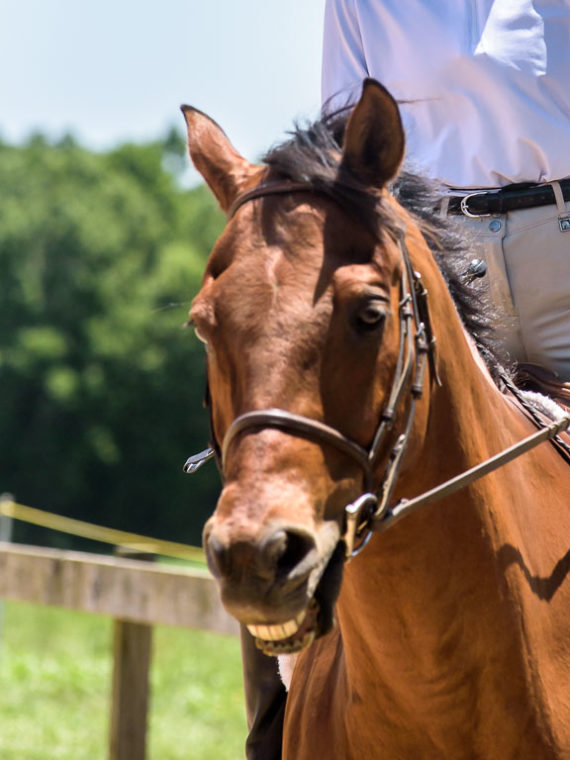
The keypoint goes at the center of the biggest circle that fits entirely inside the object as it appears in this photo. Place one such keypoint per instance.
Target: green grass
(55, 676)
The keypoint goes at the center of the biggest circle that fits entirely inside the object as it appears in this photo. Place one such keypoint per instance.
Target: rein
(371, 512)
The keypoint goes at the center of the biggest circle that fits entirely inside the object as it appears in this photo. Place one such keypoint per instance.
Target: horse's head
(300, 311)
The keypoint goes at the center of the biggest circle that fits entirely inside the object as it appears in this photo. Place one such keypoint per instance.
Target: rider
(486, 105)
(483, 86)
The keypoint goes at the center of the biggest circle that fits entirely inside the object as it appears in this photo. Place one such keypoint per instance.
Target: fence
(138, 595)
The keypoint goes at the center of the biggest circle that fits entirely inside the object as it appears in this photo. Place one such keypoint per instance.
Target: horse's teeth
(300, 617)
(277, 632)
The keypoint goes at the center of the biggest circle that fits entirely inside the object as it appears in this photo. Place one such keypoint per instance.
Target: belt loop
(444, 206)
(563, 214)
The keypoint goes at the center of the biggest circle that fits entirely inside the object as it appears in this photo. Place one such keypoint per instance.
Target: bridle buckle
(358, 515)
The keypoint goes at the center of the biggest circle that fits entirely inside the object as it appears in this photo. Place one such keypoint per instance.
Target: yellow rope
(98, 532)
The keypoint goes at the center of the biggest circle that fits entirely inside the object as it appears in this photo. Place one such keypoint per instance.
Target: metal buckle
(194, 462)
(363, 507)
(564, 222)
(465, 211)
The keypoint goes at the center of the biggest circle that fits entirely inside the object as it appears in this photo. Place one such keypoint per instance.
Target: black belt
(509, 198)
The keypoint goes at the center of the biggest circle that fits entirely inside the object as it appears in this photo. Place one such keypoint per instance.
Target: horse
(344, 386)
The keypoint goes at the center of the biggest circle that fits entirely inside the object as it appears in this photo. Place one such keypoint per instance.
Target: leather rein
(371, 512)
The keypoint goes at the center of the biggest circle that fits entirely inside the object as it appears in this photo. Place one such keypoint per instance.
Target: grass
(55, 676)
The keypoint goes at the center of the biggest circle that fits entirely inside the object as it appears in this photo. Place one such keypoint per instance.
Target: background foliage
(101, 388)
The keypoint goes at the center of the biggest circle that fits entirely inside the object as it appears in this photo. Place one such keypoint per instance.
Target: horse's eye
(371, 315)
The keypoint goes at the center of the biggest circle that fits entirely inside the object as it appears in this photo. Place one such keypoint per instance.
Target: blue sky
(118, 70)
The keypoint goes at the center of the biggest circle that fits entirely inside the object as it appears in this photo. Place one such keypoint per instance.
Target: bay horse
(335, 380)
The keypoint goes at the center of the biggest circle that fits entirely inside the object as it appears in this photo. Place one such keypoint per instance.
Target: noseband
(371, 512)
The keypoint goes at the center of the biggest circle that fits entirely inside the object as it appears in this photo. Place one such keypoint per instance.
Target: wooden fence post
(6, 520)
(5, 535)
(132, 653)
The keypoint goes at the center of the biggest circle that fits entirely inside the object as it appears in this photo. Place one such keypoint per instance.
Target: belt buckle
(465, 211)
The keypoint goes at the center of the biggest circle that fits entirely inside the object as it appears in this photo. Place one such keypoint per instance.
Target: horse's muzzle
(270, 583)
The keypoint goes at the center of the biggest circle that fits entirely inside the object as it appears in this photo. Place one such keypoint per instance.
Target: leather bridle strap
(532, 414)
(406, 376)
(411, 290)
(393, 515)
(270, 188)
(299, 425)
(371, 512)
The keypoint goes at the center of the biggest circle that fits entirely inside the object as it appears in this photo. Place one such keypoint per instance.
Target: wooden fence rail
(138, 595)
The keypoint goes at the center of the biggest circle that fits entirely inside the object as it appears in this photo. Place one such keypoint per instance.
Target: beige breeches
(528, 270)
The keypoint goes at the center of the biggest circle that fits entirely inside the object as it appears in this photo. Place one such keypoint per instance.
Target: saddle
(533, 377)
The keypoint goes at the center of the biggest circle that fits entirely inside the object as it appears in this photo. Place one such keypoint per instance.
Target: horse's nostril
(286, 549)
(283, 553)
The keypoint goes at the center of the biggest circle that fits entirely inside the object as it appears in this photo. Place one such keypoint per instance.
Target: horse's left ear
(223, 168)
(374, 140)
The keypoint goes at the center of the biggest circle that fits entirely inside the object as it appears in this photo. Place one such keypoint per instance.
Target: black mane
(312, 156)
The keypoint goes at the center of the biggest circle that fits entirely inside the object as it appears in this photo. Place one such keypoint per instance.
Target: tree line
(101, 385)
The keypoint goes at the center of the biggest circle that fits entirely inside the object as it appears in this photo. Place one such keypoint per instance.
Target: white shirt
(491, 81)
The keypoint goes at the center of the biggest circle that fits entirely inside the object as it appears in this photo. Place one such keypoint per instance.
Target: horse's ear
(374, 140)
(213, 155)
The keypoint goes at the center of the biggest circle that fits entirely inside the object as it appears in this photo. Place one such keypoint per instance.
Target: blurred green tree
(101, 387)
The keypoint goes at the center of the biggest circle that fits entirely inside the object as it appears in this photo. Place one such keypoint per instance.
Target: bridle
(371, 512)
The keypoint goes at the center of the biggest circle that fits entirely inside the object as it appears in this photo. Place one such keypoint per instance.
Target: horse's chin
(316, 620)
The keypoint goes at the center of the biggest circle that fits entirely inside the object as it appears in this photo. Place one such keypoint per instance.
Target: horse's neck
(425, 602)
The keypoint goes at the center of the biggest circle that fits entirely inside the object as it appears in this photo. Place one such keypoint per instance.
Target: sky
(115, 70)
